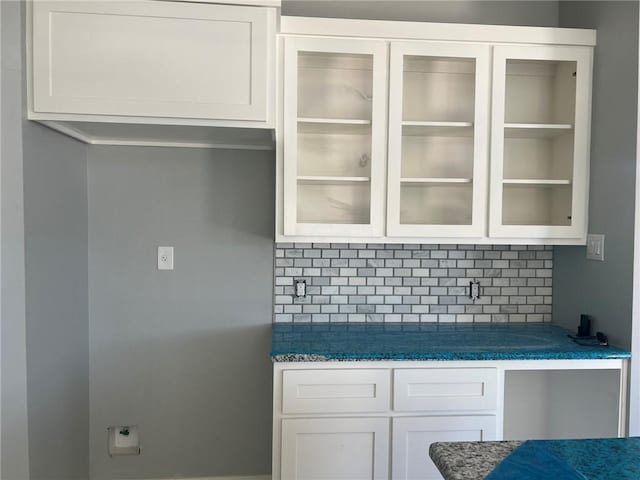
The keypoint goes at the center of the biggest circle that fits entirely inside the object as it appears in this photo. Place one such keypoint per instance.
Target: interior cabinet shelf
(542, 182)
(439, 129)
(413, 123)
(336, 121)
(328, 180)
(325, 126)
(419, 181)
(536, 130)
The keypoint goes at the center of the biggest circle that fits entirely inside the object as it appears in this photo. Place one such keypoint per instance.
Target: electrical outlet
(301, 288)
(165, 258)
(474, 290)
(595, 247)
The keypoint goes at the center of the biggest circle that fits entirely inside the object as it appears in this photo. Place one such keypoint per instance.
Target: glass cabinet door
(438, 139)
(334, 136)
(540, 141)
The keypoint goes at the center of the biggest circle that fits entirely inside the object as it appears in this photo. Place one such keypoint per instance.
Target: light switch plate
(595, 247)
(165, 258)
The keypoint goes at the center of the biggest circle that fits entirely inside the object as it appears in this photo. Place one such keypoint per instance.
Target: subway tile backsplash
(412, 283)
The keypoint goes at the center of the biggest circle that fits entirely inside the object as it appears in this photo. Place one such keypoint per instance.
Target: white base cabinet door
(412, 437)
(335, 448)
(152, 59)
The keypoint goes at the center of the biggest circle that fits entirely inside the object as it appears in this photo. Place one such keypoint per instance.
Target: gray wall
(55, 187)
(604, 289)
(536, 13)
(45, 383)
(184, 354)
(15, 451)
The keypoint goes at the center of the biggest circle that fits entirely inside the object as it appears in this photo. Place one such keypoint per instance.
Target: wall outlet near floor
(124, 440)
(165, 258)
(595, 247)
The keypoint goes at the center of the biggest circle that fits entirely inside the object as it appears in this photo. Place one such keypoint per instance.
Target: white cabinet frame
(378, 50)
(495, 38)
(583, 56)
(481, 54)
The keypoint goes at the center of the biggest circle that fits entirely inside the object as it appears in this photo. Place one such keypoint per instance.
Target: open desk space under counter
(365, 401)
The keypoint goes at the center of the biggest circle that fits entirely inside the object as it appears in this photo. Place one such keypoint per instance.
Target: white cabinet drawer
(335, 391)
(445, 389)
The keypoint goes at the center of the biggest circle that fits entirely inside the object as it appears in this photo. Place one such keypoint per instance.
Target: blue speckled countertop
(293, 342)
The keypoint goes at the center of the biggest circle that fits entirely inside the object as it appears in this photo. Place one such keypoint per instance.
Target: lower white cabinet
(412, 437)
(335, 448)
(376, 419)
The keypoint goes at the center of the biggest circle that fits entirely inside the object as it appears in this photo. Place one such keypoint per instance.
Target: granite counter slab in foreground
(400, 341)
(586, 459)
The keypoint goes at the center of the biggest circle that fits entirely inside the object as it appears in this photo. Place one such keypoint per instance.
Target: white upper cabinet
(334, 136)
(438, 139)
(188, 62)
(540, 141)
(486, 133)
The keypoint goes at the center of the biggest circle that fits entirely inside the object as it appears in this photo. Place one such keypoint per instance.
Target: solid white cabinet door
(412, 437)
(438, 139)
(152, 59)
(334, 136)
(541, 117)
(335, 448)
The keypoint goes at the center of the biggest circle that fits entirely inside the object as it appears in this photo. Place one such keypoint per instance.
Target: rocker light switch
(595, 247)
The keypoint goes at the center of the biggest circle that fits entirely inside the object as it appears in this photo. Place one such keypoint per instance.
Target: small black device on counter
(584, 329)
(584, 336)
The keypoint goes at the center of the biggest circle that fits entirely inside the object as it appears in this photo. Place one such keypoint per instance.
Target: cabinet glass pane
(539, 91)
(333, 202)
(538, 142)
(334, 137)
(525, 204)
(335, 85)
(436, 204)
(437, 140)
(438, 89)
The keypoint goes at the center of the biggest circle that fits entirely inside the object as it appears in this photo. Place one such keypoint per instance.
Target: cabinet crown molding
(458, 32)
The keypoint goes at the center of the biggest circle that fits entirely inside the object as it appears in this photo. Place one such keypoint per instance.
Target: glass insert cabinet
(438, 112)
(540, 141)
(334, 136)
(434, 140)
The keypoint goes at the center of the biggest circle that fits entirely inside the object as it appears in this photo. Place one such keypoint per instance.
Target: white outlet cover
(595, 247)
(165, 258)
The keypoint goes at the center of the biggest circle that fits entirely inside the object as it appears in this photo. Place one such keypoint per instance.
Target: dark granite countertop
(403, 341)
(587, 459)
(469, 460)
